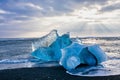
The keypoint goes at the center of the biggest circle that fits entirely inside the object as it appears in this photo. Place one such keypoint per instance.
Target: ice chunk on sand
(77, 54)
(74, 53)
(45, 41)
(52, 52)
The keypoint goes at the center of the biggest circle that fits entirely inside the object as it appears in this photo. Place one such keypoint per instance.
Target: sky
(82, 18)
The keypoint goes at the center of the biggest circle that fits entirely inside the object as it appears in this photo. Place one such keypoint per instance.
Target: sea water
(16, 53)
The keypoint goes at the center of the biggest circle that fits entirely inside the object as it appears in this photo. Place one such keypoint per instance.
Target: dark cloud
(112, 7)
(45, 8)
(31, 8)
(50, 7)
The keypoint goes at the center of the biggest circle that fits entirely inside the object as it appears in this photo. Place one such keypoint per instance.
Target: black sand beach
(46, 73)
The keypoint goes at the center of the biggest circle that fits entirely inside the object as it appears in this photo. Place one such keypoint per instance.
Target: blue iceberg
(70, 53)
(49, 48)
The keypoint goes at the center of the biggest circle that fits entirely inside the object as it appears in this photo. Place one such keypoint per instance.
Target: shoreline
(46, 73)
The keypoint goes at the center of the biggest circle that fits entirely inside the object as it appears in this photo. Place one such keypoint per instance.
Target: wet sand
(46, 73)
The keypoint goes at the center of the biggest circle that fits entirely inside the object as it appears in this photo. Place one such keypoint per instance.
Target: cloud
(111, 6)
(25, 17)
(2, 12)
(33, 6)
(5, 12)
(43, 8)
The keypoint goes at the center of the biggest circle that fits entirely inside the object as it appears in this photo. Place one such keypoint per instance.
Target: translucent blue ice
(43, 53)
(45, 41)
(87, 57)
(98, 53)
(70, 56)
(77, 54)
(51, 50)
(61, 42)
(93, 55)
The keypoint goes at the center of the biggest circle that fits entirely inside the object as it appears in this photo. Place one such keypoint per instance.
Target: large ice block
(70, 54)
(77, 54)
(52, 52)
